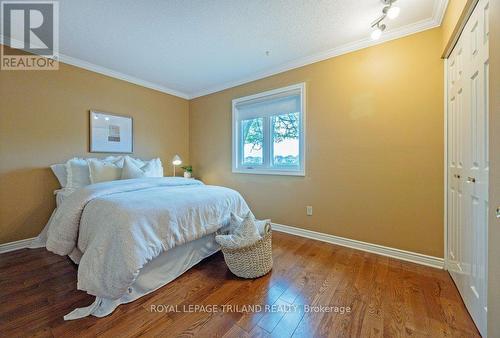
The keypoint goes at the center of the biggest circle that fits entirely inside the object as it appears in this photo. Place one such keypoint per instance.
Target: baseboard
(17, 245)
(408, 256)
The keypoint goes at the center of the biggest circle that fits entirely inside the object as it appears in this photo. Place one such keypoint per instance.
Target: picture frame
(110, 133)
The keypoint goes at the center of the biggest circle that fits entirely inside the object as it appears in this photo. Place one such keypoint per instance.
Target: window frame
(267, 148)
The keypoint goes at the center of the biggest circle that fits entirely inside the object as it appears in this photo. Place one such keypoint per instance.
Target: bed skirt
(157, 273)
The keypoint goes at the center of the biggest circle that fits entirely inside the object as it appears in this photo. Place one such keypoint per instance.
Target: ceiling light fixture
(389, 11)
(392, 12)
(377, 32)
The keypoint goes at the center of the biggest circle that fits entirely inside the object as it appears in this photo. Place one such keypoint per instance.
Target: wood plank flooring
(387, 298)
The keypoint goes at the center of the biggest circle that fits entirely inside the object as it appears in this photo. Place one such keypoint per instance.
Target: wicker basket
(251, 261)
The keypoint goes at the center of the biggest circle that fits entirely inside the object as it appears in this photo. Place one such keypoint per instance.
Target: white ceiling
(193, 47)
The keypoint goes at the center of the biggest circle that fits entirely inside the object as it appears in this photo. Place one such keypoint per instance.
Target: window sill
(283, 172)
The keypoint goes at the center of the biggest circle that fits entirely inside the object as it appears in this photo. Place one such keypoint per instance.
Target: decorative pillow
(260, 224)
(61, 174)
(77, 173)
(156, 163)
(134, 169)
(120, 160)
(103, 171)
(243, 234)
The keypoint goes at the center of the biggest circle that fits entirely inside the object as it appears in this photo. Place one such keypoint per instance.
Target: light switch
(498, 212)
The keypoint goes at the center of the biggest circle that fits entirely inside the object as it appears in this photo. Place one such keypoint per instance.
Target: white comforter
(119, 226)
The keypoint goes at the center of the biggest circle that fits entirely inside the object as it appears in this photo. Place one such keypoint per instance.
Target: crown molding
(111, 73)
(437, 17)
(120, 76)
(420, 26)
(440, 7)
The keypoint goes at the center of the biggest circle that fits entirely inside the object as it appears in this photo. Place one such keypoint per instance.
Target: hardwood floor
(387, 298)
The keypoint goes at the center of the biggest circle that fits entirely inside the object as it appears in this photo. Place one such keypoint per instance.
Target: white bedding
(61, 194)
(157, 273)
(120, 226)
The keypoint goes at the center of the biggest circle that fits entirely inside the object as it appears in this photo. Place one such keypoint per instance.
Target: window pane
(253, 139)
(286, 130)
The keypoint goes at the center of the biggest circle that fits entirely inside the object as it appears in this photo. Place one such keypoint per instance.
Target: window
(268, 132)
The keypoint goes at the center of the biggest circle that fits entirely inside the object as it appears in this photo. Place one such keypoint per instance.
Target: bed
(131, 237)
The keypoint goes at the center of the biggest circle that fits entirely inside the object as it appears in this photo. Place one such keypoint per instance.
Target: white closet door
(468, 164)
(456, 143)
(477, 166)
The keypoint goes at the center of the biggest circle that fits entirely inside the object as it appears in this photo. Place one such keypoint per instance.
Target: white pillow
(138, 162)
(103, 171)
(260, 224)
(119, 160)
(77, 173)
(134, 169)
(156, 163)
(243, 234)
(61, 174)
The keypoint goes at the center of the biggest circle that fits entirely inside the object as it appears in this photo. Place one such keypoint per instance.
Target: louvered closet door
(468, 163)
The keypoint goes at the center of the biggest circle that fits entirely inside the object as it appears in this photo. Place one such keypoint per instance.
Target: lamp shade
(176, 160)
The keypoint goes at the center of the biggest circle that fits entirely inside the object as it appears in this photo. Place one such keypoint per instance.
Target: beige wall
(44, 120)
(494, 191)
(374, 146)
(375, 141)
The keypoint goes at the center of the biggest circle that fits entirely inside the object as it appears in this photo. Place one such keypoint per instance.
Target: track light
(393, 12)
(377, 32)
(390, 12)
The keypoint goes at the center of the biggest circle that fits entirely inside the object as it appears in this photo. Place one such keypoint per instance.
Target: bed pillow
(103, 171)
(119, 160)
(61, 174)
(158, 167)
(134, 169)
(78, 174)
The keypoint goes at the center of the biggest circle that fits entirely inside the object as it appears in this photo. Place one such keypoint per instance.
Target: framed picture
(110, 133)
